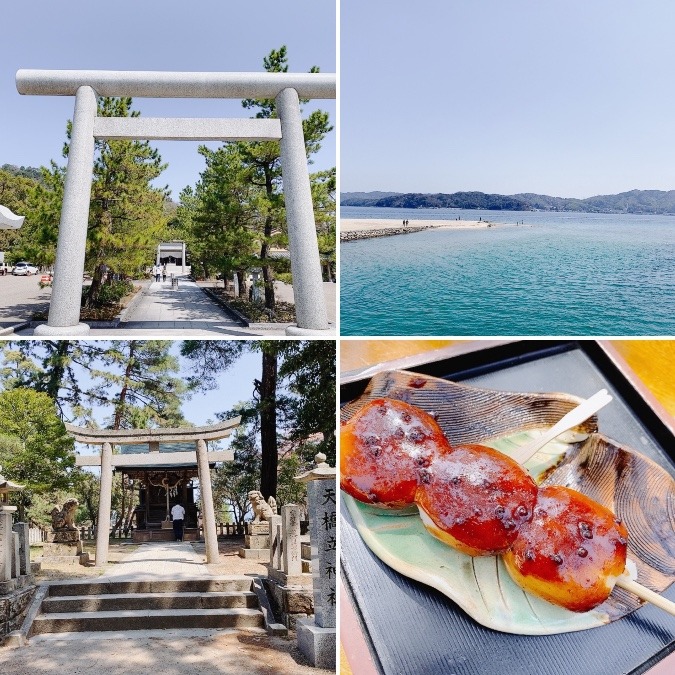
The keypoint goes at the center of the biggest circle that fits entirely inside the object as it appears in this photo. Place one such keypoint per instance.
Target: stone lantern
(8, 550)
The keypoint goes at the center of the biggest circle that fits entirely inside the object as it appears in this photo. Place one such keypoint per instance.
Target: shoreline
(362, 228)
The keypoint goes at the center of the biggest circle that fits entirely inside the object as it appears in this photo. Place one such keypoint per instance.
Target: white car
(24, 268)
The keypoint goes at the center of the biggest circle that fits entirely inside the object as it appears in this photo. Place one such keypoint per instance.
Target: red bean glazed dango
(382, 449)
(571, 552)
(475, 499)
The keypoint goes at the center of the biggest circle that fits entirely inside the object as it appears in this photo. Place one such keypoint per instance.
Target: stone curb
(33, 611)
(92, 324)
(233, 313)
(132, 305)
(271, 626)
(16, 327)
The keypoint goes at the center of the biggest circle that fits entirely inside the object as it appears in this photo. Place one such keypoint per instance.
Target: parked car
(24, 268)
(4, 268)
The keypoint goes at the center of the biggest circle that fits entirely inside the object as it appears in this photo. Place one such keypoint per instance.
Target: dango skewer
(476, 498)
(394, 455)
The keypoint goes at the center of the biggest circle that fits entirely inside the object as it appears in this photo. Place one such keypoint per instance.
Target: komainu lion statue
(62, 519)
(263, 510)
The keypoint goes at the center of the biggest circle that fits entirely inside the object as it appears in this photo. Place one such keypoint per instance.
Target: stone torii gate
(285, 88)
(106, 438)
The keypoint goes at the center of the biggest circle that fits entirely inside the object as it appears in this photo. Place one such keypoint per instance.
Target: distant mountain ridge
(655, 202)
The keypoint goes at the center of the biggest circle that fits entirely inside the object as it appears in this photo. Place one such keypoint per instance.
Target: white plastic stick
(572, 419)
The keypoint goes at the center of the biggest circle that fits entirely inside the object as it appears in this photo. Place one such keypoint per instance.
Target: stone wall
(13, 608)
(355, 235)
(290, 603)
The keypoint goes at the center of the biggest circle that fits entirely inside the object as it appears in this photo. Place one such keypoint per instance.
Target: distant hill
(359, 198)
(636, 201)
(25, 171)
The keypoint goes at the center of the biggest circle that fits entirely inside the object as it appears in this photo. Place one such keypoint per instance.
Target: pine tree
(307, 367)
(263, 161)
(126, 217)
(223, 221)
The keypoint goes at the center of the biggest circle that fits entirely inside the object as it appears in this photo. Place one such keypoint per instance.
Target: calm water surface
(558, 274)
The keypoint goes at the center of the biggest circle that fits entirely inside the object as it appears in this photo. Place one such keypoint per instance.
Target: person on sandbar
(177, 515)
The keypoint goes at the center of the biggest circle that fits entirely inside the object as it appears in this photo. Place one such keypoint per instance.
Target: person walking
(164, 272)
(177, 515)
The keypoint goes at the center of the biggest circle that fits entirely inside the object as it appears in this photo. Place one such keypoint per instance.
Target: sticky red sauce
(479, 496)
(570, 550)
(383, 447)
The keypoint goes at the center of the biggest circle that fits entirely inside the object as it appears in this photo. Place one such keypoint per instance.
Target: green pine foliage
(235, 218)
(126, 217)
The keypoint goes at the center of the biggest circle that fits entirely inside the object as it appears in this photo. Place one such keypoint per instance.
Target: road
(20, 297)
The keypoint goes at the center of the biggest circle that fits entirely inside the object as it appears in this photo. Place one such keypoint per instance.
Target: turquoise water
(571, 274)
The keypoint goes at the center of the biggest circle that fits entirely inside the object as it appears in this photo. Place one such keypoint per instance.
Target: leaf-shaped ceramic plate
(634, 487)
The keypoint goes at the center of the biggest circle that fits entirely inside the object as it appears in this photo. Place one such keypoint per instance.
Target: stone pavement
(171, 560)
(185, 307)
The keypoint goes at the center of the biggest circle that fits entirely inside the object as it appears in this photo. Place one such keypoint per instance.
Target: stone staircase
(116, 605)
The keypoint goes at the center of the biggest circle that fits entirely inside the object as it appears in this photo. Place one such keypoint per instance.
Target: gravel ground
(165, 652)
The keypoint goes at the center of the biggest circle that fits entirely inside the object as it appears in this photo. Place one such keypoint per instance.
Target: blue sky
(209, 35)
(569, 98)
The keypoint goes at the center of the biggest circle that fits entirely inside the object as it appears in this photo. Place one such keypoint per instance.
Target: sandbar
(367, 228)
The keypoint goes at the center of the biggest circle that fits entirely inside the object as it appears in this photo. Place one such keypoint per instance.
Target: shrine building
(166, 463)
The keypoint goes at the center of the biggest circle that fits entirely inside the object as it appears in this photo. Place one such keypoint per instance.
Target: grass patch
(109, 310)
(255, 312)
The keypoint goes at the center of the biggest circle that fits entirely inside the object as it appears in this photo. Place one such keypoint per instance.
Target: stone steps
(147, 604)
(133, 601)
(146, 619)
(207, 585)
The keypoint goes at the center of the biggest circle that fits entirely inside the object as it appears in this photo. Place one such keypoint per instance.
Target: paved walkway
(20, 297)
(171, 560)
(184, 307)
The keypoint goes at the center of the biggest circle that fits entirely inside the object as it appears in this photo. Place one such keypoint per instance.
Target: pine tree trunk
(268, 425)
(268, 278)
(57, 372)
(119, 407)
(241, 282)
(95, 288)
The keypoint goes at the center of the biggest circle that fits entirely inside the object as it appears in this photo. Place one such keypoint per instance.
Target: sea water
(563, 274)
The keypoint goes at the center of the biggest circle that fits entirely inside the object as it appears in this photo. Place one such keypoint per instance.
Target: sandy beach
(364, 225)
